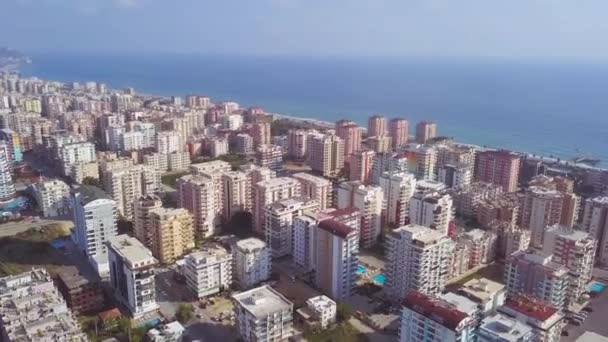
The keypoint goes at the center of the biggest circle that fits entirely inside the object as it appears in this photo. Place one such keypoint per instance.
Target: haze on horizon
(519, 29)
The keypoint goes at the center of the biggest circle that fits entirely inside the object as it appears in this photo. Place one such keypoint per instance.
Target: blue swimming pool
(361, 270)
(597, 287)
(378, 279)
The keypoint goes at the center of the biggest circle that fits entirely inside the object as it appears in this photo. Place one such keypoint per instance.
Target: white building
(168, 142)
(432, 209)
(252, 262)
(71, 156)
(126, 185)
(94, 215)
(7, 186)
(270, 191)
(52, 197)
(317, 188)
(178, 161)
(132, 274)
(34, 310)
(279, 223)
(421, 160)
(233, 122)
(595, 222)
(481, 245)
(501, 328)
(370, 200)
(323, 309)
(170, 332)
(237, 193)
(455, 176)
(417, 259)
(425, 318)
(398, 189)
(304, 241)
(218, 147)
(263, 314)
(197, 195)
(208, 271)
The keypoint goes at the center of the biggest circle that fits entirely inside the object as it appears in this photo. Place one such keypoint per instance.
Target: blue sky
(545, 29)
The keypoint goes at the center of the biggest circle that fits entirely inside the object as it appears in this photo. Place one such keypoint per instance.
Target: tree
(344, 312)
(184, 313)
(92, 181)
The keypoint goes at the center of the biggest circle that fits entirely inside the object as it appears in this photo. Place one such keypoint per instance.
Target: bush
(184, 313)
(344, 312)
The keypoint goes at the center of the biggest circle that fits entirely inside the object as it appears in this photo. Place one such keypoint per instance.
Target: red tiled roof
(335, 227)
(434, 309)
(531, 308)
(112, 313)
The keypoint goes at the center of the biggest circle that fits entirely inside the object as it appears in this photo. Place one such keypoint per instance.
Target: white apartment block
(325, 154)
(218, 147)
(574, 249)
(517, 239)
(126, 185)
(7, 186)
(432, 209)
(52, 197)
(156, 161)
(263, 314)
(337, 257)
(468, 198)
(168, 142)
(324, 309)
(455, 176)
(75, 154)
(233, 122)
(304, 241)
(547, 322)
(425, 318)
(595, 222)
(481, 245)
(132, 274)
(214, 170)
(142, 207)
(94, 215)
(279, 220)
(178, 161)
(370, 200)
(270, 191)
(208, 271)
(417, 259)
(398, 188)
(237, 196)
(421, 160)
(197, 195)
(317, 188)
(502, 328)
(252, 262)
(539, 209)
(34, 310)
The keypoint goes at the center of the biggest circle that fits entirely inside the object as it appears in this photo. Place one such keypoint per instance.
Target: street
(595, 322)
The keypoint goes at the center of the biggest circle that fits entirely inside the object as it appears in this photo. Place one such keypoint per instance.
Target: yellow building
(172, 233)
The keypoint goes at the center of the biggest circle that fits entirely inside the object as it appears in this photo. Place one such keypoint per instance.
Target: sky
(544, 29)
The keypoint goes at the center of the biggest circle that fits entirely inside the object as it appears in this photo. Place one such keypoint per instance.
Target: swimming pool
(361, 270)
(378, 279)
(597, 287)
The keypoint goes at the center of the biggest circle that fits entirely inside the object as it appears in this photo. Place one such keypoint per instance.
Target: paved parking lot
(595, 322)
(169, 292)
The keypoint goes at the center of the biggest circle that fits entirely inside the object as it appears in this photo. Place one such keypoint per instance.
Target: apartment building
(279, 223)
(208, 271)
(325, 154)
(370, 201)
(432, 209)
(197, 195)
(398, 188)
(268, 192)
(52, 197)
(316, 188)
(172, 233)
(94, 216)
(252, 262)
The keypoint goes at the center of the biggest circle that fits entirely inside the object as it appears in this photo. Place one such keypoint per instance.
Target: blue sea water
(543, 108)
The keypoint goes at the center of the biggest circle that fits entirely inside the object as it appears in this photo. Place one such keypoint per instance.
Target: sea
(545, 108)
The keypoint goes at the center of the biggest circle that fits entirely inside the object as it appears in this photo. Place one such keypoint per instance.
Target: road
(13, 228)
(595, 322)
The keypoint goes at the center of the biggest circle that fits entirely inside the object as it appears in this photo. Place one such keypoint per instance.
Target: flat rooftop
(263, 301)
(250, 244)
(418, 233)
(131, 250)
(505, 328)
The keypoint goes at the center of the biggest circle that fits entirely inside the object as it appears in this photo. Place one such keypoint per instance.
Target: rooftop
(311, 178)
(90, 193)
(418, 233)
(262, 301)
(72, 278)
(250, 245)
(131, 250)
(531, 308)
(461, 303)
(335, 227)
(481, 289)
(505, 328)
(211, 252)
(434, 309)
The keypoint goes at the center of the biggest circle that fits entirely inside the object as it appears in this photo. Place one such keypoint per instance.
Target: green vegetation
(184, 313)
(20, 252)
(170, 179)
(343, 312)
(92, 181)
(282, 126)
(235, 160)
(122, 330)
(343, 332)
(241, 225)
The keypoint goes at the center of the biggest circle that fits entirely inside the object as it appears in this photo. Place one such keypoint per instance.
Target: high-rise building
(252, 262)
(417, 259)
(243, 143)
(361, 166)
(270, 191)
(208, 271)
(197, 195)
(13, 143)
(379, 143)
(370, 200)
(398, 188)
(218, 147)
(237, 193)
(7, 187)
(261, 134)
(52, 197)
(350, 133)
(481, 245)
(595, 222)
(467, 199)
(94, 215)
(142, 207)
(337, 258)
(279, 223)
(168, 142)
(455, 176)
(432, 209)
(376, 125)
(326, 154)
(498, 167)
(546, 321)
(398, 130)
(270, 156)
(426, 318)
(263, 314)
(536, 275)
(387, 162)
(317, 188)
(574, 249)
(503, 208)
(539, 209)
(304, 227)
(425, 131)
(421, 160)
(296, 141)
(126, 185)
(172, 233)
(132, 274)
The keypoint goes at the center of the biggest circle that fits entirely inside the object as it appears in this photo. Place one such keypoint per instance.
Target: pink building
(425, 130)
(398, 130)
(361, 166)
(351, 134)
(376, 125)
(498, 167)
